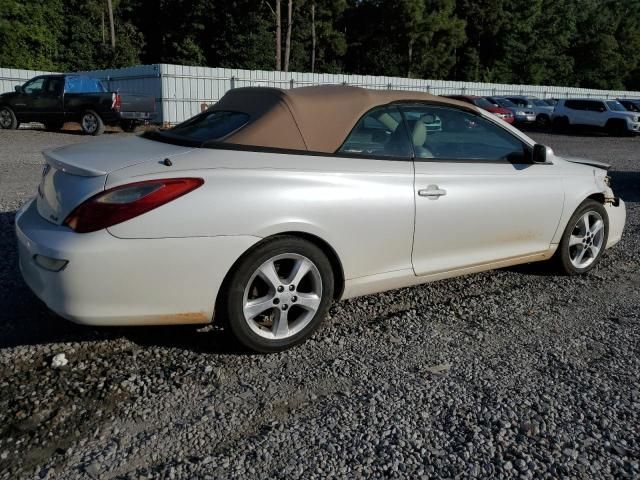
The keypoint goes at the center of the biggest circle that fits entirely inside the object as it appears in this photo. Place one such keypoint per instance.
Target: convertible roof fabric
(316, 118)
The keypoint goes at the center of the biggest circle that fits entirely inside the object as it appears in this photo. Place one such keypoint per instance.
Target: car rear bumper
(617, 213)
(112, 281)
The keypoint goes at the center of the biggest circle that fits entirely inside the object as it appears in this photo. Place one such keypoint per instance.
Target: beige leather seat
(419, 137)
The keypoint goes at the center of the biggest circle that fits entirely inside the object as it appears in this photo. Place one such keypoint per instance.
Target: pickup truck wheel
(91, 123)
(8, 120)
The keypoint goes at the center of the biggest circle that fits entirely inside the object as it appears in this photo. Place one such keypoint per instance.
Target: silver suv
(608, 114)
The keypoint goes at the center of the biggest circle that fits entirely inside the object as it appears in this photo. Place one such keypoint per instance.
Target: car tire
(53, 126)
(617, 128)
(586, 231)
(543, 121)
(91, 123)
(8, 120)
(264, 306)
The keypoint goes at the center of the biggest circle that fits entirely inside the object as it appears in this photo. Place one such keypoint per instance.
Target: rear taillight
(116, 102)
(123, 203)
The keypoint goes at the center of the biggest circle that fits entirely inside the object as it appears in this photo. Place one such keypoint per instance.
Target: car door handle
(432, 192)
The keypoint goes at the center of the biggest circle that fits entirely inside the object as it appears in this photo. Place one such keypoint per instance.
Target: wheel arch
(327, 249)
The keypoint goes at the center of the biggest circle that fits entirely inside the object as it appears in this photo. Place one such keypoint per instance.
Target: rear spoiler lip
(60, 163)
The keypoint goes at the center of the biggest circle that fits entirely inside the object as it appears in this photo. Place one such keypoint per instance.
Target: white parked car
(261, 211)
(610, 115)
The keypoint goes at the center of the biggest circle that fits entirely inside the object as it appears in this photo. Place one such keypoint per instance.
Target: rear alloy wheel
(584, 239)
(8, 120)
(91, 123)
(278, 294)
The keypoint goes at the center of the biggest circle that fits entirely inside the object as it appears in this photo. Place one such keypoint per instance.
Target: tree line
(585, 43)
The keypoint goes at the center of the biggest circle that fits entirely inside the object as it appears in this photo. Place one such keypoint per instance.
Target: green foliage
(589, 43)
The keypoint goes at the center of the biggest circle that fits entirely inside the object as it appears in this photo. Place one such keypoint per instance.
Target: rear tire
(277, 295)
(8, 120)
(543, 121)
(91, 123)
(584, 239)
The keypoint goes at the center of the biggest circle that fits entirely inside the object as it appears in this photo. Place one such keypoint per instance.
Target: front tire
(584, 239)
(8, 120)
(543, 120)
(278, 294)
(91, 123)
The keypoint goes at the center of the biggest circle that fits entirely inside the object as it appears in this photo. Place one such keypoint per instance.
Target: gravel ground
(516, 373)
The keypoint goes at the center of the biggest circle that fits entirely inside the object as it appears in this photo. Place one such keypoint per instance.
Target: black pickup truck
(55, 99)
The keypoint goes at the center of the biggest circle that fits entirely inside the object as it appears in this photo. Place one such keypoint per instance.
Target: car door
(478, 198)
(49, 102)
(26, 105)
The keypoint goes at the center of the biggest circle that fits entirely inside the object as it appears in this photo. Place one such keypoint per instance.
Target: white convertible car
(268, 206)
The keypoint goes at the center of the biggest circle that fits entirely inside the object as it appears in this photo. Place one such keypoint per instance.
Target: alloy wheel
(89, 122)
(282, 296)
(586, 240)
(5, 118)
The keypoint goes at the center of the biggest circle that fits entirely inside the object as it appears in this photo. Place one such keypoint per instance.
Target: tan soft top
(310, 118)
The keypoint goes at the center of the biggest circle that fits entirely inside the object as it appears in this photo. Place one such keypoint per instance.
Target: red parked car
(485, 104)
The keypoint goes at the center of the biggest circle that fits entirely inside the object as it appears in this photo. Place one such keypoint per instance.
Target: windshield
(616, 106)
(503, 102)
(482, 103)
(540, 103)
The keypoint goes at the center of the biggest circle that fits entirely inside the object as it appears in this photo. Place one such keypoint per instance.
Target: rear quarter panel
(363, 208)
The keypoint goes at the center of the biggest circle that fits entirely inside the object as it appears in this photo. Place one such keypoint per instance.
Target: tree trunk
(278, 37)
(313, 36)
(410, 58)
(113, 30)
(287, 45)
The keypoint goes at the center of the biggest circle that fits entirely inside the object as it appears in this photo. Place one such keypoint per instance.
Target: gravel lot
(516, 373)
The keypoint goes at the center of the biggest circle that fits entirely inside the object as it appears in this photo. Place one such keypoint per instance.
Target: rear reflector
(48, 263)
(125, 202)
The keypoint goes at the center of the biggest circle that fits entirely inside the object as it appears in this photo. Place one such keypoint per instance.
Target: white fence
(182, 91)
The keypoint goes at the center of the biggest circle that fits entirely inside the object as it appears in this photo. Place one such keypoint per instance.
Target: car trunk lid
(75, 173)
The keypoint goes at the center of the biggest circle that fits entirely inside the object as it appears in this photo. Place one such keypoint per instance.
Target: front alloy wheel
(584, 239)
(278, 294)
(8, 119)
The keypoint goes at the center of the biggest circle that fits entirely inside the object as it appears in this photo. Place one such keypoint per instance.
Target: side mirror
(18, 88)
(539, 154)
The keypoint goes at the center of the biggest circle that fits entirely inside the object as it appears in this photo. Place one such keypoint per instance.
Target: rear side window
(210, 125)
(78, 84)
(380, 133)
(574, 104)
